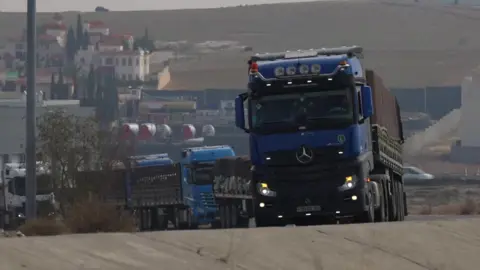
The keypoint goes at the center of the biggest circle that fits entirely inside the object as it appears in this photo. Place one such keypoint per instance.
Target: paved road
(411, 245)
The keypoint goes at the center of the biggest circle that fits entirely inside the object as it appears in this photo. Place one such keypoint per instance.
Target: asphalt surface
(428, 242)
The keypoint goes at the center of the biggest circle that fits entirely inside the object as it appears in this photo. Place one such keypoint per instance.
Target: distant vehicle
(411, 173)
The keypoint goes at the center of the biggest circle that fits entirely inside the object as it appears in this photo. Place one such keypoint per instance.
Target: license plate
(308, 208)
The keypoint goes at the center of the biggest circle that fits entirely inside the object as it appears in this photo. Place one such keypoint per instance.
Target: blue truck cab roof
(325, 62)
(206, 153)
(152, 160)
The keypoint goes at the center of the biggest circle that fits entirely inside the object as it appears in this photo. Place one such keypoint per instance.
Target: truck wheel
(228, 217)
(224, 217)
(233, 216)
(393, 202)
(368, 216)
(382, 212)
(401, 205)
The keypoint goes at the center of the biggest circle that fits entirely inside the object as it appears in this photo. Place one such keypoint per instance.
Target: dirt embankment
(407, 245)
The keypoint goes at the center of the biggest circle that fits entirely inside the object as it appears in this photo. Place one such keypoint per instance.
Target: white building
(129, 65)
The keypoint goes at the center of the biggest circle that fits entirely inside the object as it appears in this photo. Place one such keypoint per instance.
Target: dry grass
(468, 207)
(444, 200)
(95, 216)
(43, 227)
(89, 216)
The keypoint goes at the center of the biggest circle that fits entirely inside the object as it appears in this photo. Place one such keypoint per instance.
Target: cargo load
(232, 177)
(387, 112)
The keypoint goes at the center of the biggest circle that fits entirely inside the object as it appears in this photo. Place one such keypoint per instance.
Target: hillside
(409, 44)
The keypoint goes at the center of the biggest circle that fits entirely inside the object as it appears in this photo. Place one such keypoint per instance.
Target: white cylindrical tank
(147, 131)
(189, 131)
(208, 131)
(164, 132)
(130, 130)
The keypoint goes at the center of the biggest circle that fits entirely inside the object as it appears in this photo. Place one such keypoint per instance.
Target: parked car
(411, 173)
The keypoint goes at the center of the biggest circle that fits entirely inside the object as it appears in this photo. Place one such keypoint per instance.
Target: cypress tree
(60, 81)
(91, 85)
(70, 47)
(86, 40)
(52, 86)
(80, 33)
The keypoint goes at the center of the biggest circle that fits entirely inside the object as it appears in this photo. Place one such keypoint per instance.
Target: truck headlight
(349, 183)
(265, 191)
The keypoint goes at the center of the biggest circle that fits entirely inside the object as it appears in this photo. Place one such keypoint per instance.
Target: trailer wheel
(228, 217)
(223, 216)
(233, 216)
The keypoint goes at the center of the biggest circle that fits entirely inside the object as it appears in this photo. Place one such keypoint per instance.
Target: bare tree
(69, 144)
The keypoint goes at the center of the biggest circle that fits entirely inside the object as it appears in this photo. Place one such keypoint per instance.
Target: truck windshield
(319, 110)
(203, 174)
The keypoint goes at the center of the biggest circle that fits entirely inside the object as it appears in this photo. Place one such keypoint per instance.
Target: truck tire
(381, 212)
(233, 216)
(393, 202)
(369, 215)
(401, 205)
(405, 205)
(225, 216)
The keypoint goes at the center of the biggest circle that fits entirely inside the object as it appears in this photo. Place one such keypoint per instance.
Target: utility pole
(31, 167)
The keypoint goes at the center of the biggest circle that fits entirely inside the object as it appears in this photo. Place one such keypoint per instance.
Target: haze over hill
(119, 5)
(410, 44)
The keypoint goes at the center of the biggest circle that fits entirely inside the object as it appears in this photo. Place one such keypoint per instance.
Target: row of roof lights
(302, 69)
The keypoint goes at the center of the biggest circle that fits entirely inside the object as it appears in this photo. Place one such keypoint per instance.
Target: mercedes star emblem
(304, 155)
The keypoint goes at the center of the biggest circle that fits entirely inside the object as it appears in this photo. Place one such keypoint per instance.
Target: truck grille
(289, 157)
(207, 199)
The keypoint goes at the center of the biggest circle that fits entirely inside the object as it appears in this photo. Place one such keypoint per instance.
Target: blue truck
(198, 190)
(325, 139)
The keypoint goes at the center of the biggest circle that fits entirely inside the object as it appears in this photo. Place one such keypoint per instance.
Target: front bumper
(304, 203)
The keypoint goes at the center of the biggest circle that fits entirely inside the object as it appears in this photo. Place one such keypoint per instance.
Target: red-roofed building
(96, 27)
(56, 29)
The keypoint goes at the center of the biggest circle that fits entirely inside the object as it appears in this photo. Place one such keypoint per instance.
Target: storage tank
(129, 131)
(147, 131)
(189, 131)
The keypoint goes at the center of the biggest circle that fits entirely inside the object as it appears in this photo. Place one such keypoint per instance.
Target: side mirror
(240, 111)
(367, 101)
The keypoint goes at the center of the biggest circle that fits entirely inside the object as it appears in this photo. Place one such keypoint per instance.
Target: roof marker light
(304, 69)
(291, 70)
(279, 71)
(309, 81)
(315, 68)
(289, 82)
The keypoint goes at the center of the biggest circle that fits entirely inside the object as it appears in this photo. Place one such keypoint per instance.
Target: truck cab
(197, 165)
(14, 197)
(308, 116)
